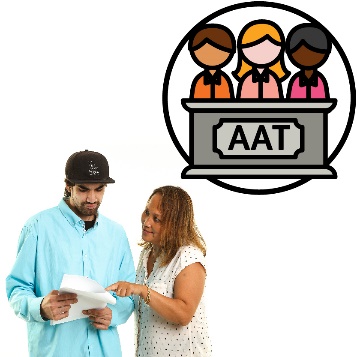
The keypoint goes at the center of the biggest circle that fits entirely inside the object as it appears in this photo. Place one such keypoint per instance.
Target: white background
(78, 75)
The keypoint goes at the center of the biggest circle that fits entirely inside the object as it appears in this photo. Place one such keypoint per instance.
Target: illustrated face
(305, 58)
(262, 54)
(151, 220)
(86, 198)
(210, 57)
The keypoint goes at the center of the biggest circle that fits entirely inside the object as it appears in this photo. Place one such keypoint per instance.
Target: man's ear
(69, 190)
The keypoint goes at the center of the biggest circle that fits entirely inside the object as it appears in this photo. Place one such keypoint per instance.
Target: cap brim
(108, 180)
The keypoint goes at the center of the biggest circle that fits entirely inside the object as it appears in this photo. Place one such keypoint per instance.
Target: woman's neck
(308, 72)
(155, 251)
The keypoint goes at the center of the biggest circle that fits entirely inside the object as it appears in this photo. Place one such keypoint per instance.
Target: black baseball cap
(87, 167)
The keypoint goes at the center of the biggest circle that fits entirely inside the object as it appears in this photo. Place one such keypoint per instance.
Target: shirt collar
(71, 217)
(304, 81)
(260, 77)
(208, 78)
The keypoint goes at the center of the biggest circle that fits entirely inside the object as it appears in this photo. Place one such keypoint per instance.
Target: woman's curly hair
(178, 227)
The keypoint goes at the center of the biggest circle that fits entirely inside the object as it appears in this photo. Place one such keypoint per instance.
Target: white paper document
(90, 295)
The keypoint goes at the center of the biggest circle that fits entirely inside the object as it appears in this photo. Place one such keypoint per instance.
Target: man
(72, 238)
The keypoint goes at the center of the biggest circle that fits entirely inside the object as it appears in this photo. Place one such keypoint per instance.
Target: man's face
(85, 199)
(210, 57)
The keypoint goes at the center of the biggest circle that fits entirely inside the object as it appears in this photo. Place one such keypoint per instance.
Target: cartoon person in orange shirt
(212, 47)
(261, 67)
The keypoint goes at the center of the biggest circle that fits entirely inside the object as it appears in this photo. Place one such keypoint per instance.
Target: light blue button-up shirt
(52, 243)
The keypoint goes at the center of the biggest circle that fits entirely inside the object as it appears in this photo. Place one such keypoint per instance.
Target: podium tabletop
(298, 105)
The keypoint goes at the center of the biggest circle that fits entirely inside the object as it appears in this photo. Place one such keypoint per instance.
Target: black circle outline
(280, 7)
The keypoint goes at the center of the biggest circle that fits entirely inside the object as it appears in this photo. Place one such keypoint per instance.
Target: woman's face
(262, 54)
(210, 57)
(307, 59)
(151, 220)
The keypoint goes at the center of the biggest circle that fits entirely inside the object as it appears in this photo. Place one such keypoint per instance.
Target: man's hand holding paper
(91, 301)
(55, 306)
(100, 318)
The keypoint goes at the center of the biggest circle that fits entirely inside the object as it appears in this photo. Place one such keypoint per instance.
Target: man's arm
(123, 308)
(21, 280)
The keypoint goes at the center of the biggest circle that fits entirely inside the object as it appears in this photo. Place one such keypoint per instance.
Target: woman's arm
(188, 290)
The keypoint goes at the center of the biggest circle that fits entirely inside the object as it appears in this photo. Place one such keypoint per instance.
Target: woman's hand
(124, 288)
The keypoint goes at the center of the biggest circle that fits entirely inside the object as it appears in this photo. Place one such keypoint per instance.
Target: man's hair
(218, 36)
(66, 193)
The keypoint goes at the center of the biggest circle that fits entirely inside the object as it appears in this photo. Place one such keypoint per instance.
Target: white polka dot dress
(157, 336)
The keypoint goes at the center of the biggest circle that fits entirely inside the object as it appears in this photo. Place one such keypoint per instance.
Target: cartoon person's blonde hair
(254, 33)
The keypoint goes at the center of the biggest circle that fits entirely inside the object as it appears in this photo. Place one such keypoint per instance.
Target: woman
(261, 67)
(170, 279)
(308, 48)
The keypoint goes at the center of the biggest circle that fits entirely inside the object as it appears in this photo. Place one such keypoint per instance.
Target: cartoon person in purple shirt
(308, 48)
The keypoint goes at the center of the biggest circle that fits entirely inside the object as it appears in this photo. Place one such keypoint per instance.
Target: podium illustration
(250, 139)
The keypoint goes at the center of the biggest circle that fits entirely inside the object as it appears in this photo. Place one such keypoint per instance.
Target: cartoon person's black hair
(212, 47)
(308, 47)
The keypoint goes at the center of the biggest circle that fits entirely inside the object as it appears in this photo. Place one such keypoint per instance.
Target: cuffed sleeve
(122, 310)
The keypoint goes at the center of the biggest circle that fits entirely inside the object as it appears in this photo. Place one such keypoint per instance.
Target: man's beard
(87, 211)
